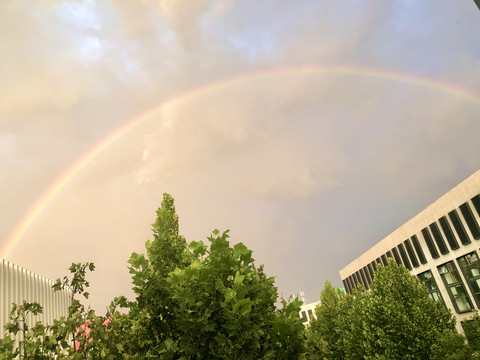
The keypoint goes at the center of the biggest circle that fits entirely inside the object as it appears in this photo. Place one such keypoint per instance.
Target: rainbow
(80, 164)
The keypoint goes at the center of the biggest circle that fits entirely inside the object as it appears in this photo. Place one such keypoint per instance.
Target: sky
(311, 129)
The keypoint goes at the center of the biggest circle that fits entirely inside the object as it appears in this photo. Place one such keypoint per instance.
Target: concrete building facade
(307, 311)
(18, 284)
(440, 245)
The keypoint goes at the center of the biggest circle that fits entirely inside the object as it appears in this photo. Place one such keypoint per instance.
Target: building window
(371, 270)
(411, 254)
(354, 281)
(304, 316)
(438, 238)
(470, 220)
(403, 254)
(364, 279)
(351, 284)
(310, 314)
(418, 249)
(430, 244)
(470, 265)
(447, 230)
(476, 203)
(455, 287)
(429, 281)
(359, 279)
(396, 256)
(457, 224)
(384, 260)
(369, 277)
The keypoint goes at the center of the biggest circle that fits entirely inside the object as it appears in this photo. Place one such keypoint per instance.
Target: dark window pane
(379, 261)
(367, 275)
(374, 265)
(371, 270)
(429, 281)
(438, 238)
(470, 265)
(351, 285)
(364, 279)
(384, 260)
(358, 279)
(457, 224)
(396, 256)
(430, 244)
(411, 254)
(345, 285)
(418, 249)
(447, 230)
(470, 220)
(304, 316)
(476, 203)
(455, 288)
(389, 254)
(310, 314)
(353, 279)
(403, 254)
(351, 282)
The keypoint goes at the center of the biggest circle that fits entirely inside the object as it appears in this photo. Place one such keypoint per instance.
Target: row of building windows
(470, 267)
(410, 253)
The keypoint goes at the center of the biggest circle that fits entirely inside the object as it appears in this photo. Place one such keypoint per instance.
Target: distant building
(18, 284)
(440, 245)
(307, 311)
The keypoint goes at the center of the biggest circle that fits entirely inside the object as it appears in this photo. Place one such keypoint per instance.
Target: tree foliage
(61, 340)
(210, 301)
(193, 301)
(394, 320)
(200, 301)
(324, 338)
(451, 346)
(471, 327)
(401, 321)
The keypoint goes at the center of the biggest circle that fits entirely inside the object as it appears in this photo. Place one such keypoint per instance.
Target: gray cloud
(309, 170)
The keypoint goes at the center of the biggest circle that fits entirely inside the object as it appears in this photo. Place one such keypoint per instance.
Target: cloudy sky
(311, 129)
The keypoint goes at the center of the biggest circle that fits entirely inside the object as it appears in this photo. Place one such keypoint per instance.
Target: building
(307, 311)
(18, 284)
(440, 245)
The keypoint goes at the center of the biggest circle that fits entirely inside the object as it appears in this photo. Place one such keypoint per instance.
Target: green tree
(401, 321)
(107, 337)
(451, 346)
(324, 338)
(36, 342)
(77, 316)
(225, 307)
(207, 302)
(152, 311)
(471, 326)
(18, 323)
(352, 324)
(192, 302)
